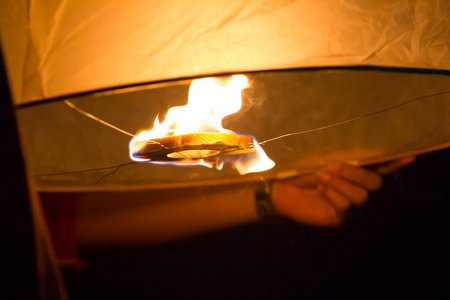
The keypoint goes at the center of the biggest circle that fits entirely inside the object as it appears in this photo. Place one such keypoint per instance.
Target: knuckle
(352, 173)
(334, 181)
(336, 198)
(346, 171)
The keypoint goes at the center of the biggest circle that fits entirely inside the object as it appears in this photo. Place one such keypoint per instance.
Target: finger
(359, 176)
(307, 181)
(391, 167)
(356, 194)
(340, 202)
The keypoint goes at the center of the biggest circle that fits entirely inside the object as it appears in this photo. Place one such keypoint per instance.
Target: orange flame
(210, 100)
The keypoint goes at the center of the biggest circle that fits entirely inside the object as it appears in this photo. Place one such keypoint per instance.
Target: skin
(324, 199)
(157, 216)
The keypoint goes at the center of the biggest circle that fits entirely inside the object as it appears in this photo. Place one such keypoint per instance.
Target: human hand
(392, 166)
(323, 200)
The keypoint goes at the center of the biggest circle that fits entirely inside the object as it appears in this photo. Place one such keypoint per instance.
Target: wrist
(263, 199)
(279, 200)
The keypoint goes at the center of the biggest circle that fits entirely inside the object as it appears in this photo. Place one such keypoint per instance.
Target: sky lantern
(361, 82)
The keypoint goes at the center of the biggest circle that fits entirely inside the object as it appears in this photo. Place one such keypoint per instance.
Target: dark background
(395, 246)
(17, 242)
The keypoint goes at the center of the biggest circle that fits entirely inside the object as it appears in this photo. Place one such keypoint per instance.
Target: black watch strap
(264, 207)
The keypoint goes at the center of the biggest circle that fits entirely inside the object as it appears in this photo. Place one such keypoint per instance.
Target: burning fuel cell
(201, 145)
(193, 134)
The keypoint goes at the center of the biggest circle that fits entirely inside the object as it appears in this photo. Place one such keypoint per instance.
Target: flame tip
(210, 100)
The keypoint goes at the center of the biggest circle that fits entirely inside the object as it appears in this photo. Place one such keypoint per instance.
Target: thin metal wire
(73, 106)
(109, 174)
(249, 146)
(309, 131)
(353, 119)
(278, 137)
(85, 113)
(87, 170)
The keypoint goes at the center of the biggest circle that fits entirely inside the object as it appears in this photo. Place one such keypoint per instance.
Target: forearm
(154, 216)
(147, 217)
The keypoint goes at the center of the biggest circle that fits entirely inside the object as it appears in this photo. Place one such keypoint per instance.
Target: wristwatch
(263, 200)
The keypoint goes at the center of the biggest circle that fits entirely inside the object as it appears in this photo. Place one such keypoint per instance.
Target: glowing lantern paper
(363, 81)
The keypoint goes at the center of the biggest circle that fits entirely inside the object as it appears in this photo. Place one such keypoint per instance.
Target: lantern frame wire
(117, 167)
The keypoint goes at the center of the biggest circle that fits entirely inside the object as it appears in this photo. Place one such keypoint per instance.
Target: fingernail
(408, 160)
